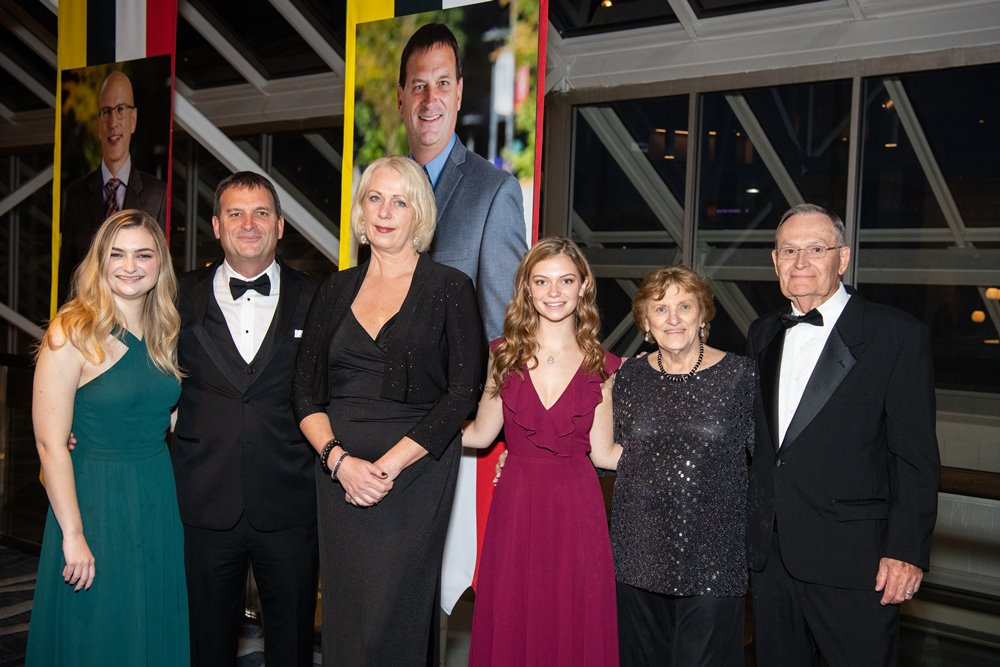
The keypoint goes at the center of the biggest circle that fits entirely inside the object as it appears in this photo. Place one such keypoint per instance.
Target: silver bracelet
(336, 465)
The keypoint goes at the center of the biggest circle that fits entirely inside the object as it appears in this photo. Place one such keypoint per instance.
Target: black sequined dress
(679, 512)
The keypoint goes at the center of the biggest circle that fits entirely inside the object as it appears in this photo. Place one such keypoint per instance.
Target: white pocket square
(297, 333)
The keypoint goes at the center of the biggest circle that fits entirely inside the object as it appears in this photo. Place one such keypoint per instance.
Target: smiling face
(555, 286)
(674, 320)
(429, 101)
(113, 129)
(387, 215)
(809, 282)
(248, 228)
(133, 264)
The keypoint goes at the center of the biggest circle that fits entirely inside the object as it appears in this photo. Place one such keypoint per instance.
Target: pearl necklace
(685, 376)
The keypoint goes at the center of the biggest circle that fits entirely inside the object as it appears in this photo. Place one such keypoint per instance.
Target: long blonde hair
(91, 315)
(520, 321)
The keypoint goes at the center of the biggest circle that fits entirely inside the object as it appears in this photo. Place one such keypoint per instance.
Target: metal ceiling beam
(289, 100)
(21, 322)
(305, 26)
(856, 11)
(685, 16)
(227, 152)
(24, 191)
(27, 29)
(39, 90)
(222, 45)
(823, 33)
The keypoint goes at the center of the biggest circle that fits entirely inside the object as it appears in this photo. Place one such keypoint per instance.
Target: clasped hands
(365, 483)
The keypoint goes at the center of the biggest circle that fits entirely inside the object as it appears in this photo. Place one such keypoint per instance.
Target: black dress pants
(678, 631)
(796, 622)
(285, 564)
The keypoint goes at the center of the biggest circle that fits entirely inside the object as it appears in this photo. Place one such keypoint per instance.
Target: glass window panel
(625, 228)
(708, 8)
(761, 149)
(575, 18)
(13, 94)
(929, 237)
(199, 65)
(265, 38)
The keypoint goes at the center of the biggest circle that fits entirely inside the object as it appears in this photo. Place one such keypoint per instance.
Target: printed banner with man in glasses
(113, 133)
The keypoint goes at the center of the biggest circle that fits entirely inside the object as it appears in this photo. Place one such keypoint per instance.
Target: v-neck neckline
(565, 389)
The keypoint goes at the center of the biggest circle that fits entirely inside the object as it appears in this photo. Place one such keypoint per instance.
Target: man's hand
(500, 463)
(897, 580)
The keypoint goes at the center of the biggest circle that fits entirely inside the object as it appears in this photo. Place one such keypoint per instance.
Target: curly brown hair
(520, 322)
(658, 281)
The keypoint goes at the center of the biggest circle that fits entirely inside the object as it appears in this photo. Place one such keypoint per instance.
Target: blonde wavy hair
(91, 315)
(520, 321)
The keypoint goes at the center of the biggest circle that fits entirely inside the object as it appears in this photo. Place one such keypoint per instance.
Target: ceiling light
(606, 3)
(890, 145)
(993, 293)
(753, 191)
(978, 316)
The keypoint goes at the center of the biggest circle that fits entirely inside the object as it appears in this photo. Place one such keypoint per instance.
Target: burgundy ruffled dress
(546, 593)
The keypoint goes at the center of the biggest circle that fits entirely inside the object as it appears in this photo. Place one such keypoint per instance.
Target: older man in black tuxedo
(844, 479)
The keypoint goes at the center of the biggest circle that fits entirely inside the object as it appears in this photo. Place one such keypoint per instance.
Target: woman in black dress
(684, 416)
(389, 366)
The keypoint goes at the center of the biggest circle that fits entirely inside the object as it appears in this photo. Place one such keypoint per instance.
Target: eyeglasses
(789, 253)
(118, 110)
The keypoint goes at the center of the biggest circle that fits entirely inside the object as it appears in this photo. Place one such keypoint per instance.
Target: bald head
(116, 121)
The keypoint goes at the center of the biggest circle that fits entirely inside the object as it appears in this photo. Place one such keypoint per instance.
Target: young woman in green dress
(111, 587)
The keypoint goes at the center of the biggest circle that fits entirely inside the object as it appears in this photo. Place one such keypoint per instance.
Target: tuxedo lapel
(769, 364)
(834, 363)
(451, 176)
(203, 298)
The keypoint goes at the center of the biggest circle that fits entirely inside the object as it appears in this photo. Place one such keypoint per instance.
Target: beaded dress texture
(679, 512)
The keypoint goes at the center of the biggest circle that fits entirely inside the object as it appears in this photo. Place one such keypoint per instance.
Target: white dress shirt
(248, 317)
(803, 345)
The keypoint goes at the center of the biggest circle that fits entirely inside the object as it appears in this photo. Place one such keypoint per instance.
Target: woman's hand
(364, 483)
(500, 463)
(79, 570)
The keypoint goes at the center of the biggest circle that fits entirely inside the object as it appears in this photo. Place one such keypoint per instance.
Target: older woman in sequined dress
(684, 415)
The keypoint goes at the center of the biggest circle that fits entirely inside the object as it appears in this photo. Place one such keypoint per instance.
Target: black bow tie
(813, 317)
(239, 287)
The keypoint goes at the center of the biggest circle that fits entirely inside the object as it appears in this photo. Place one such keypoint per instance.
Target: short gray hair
(839, 231)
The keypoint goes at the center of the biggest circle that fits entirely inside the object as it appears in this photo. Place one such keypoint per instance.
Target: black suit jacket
(237, 448)
(857, 476)
(436, 355)
(84, 208)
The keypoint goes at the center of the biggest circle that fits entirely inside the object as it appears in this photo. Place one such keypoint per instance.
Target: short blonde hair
(416, 189)
(657, 282)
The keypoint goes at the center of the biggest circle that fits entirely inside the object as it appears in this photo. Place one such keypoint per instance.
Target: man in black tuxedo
(114, 186)
(244, 472)
(844, 478)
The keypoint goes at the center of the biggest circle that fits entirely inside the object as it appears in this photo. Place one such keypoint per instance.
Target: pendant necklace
(685, 376)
